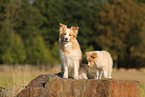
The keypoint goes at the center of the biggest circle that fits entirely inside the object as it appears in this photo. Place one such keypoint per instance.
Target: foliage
(29, 31)
(120, 30)
(15, 54)
(38, 54)
(55, 53)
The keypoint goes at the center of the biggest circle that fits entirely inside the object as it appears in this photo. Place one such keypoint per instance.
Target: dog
(102, 61)
(70, 54)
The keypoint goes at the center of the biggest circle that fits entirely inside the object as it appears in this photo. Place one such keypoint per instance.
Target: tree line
(29, 29)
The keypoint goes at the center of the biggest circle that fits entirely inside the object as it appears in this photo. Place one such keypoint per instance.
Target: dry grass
(16, 78)
(131, 74)
(126, 74)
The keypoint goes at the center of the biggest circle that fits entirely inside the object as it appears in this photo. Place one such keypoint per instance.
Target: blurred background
(29, 30)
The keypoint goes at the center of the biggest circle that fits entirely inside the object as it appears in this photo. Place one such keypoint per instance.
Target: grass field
(14, 79)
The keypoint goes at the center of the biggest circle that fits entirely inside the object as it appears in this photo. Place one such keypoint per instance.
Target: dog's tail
(90, 76)
(83, 73)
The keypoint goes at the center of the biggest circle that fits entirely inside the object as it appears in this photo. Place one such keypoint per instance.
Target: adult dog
(70, 53)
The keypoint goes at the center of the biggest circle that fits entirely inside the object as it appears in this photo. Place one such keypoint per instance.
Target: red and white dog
(102, 61)
(70, 53)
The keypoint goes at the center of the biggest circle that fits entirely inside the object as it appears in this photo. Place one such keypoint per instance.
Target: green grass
(142, 90)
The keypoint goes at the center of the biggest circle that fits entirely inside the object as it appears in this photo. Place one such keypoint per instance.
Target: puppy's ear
(62, 27)
(86, 54)
(93, 55)
(75, 29)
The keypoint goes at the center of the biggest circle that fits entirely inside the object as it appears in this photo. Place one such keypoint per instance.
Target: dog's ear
(75, 29)
(93, 55)
(62, 27)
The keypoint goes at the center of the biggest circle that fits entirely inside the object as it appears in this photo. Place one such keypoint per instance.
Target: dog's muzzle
(66, 39)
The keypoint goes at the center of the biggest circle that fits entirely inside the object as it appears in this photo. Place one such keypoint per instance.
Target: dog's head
(67, 34)
(91, 56)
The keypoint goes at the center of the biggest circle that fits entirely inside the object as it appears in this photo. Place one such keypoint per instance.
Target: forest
(29, 30)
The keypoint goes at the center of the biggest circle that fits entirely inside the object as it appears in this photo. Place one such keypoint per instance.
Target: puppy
(102, 61)
(70, 54)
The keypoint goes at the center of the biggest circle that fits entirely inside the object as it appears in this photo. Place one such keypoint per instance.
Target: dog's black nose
(66, 38)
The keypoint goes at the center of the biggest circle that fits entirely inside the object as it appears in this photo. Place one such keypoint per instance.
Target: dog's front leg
(105, 74)
(76, 69)
(97, 73)
(65, 75)
(100, 74)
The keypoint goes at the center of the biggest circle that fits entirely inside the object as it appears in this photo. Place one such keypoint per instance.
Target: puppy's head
(68, 34)
(91, 56)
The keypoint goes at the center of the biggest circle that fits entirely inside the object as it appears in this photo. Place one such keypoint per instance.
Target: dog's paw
(76, 77)
(110, 77)
(65, 76)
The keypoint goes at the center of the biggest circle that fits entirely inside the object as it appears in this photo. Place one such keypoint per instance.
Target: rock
(55, 86)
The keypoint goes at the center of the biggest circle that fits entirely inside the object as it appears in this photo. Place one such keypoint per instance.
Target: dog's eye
(90, 60)
(69, 34)
(64, 33)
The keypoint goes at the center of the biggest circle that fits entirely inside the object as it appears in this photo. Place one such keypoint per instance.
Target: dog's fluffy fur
(103, 62)
(70, 53)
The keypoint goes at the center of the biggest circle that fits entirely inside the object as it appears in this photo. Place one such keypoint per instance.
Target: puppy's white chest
(98, 65)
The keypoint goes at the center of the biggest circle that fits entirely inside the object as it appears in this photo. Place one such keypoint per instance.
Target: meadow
(15, 78)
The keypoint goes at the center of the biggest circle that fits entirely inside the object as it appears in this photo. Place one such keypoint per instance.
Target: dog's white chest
(68, 46)
(69, 52)
(69, 59)
(69, 56)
